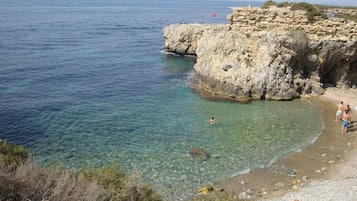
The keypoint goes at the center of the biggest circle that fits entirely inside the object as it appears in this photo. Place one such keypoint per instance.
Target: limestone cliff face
(182, 39)
(255, 59)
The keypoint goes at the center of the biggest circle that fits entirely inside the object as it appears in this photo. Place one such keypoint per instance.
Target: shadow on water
(177, 65)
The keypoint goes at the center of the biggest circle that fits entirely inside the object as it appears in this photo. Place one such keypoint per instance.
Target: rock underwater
(197, 151)
(273, 54)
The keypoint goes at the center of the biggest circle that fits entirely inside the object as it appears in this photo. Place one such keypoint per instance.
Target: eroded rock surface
(273, 54)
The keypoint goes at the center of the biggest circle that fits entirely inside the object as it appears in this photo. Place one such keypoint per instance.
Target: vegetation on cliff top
(349, 17)
(21, 178)
(312, 11)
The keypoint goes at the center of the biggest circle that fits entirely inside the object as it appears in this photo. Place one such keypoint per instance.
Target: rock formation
(273, 53)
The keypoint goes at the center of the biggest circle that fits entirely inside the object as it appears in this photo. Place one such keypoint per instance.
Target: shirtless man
(212, 120)
(349, 111)
(346, 118)
(339, 111)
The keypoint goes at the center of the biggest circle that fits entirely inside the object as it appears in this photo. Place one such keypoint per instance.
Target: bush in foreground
(30, 182)
(22, 179)
(117, 184)
(11, 154)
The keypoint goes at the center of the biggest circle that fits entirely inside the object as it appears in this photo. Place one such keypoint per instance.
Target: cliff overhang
(271, 53)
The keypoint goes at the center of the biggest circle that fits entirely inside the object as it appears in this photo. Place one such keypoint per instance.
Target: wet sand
(318, 161)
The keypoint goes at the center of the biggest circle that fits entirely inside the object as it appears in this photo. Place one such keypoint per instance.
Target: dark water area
(87, 83)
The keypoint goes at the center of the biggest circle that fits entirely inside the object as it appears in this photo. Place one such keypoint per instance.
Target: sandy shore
(325, 170)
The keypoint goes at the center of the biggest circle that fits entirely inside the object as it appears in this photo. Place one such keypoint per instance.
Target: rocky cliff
(273, 53)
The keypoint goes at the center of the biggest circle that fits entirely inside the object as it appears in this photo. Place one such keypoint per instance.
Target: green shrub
(31, 182)
(284, 4)
(349, 17)
(117, 185)
(111, 178)
(269, 3)
(311, 10)
(303, 6)
(26, 180)
(11, 154)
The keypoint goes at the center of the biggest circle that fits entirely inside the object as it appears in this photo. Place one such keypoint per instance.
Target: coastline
(332, 157)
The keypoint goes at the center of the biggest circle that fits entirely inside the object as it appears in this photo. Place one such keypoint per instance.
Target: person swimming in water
(212, 120)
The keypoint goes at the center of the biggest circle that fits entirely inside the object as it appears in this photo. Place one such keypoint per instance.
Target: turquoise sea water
(87, 83)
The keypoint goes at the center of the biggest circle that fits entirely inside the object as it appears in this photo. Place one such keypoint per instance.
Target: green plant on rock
(111, 178)
(118, 185)
(284, 4)
(23, 179)
(269, 3)
(11, 154)
(349, 17)
(28, 181)
(311, 10)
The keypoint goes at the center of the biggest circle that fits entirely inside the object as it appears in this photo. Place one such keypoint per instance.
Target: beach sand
(324, 170)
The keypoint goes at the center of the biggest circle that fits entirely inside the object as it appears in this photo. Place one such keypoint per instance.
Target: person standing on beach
(339, 111)
(346, 118)
(349, 111)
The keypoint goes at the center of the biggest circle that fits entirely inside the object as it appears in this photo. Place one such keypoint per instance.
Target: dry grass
(22, 179)
(30, 182)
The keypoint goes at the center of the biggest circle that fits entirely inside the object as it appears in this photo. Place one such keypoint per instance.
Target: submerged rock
(202, 154)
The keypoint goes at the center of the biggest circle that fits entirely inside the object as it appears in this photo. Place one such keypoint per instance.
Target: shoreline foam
(320, 161)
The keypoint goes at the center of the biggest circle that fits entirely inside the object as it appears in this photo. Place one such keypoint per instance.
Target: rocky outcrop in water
(274, 54)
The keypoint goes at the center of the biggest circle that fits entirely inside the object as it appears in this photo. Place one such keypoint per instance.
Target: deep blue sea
(86, 83)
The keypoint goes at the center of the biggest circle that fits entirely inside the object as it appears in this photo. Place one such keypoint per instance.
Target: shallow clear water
(86, 83)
